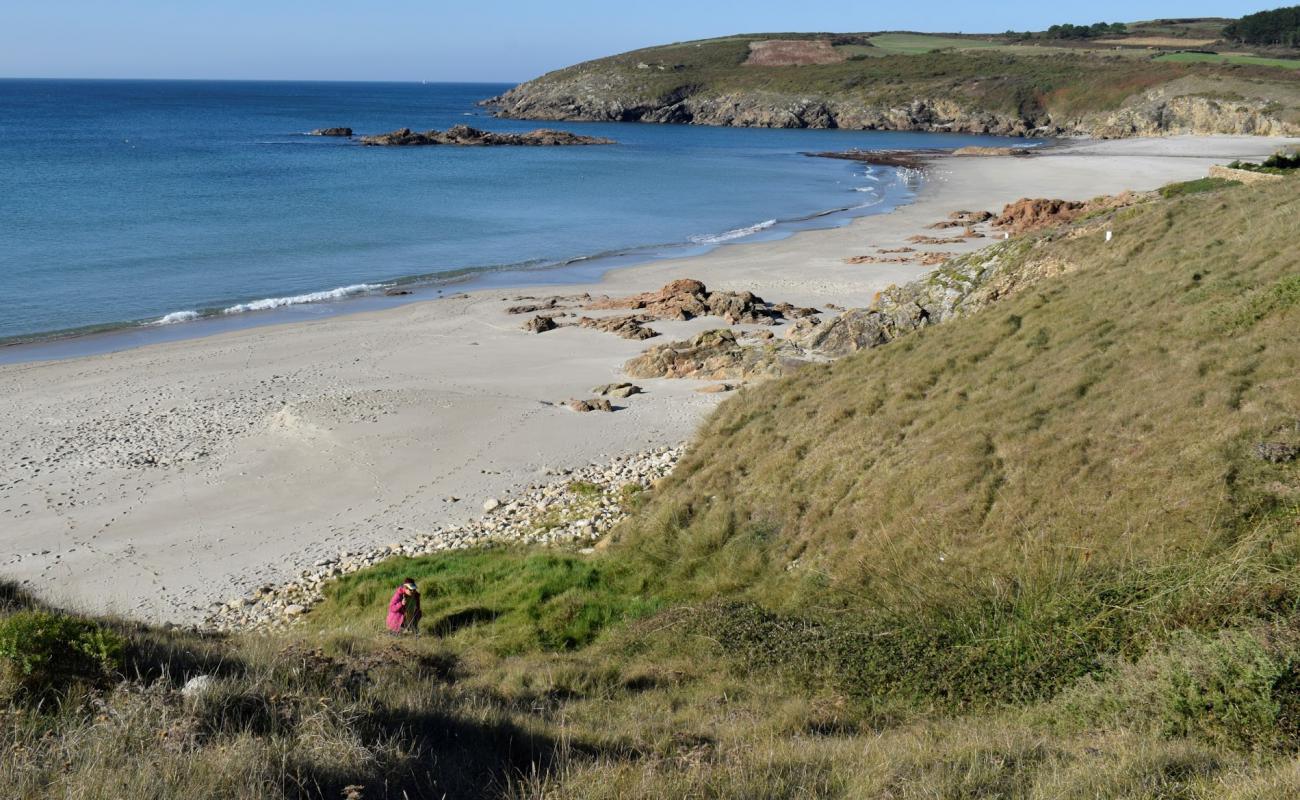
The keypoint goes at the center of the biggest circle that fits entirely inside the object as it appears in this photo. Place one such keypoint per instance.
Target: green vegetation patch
(44, 654)
(918, 43)
(1276, 164)
(1196, 187)
(507, 600)
(1228, 58)
(1235, 688)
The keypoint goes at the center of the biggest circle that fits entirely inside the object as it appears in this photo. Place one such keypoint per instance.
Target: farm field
(1229, 58)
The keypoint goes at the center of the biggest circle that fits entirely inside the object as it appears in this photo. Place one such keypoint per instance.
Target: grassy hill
(1016, 84)
(1046, 550)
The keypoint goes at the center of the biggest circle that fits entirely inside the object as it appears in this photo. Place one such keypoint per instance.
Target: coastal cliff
(1003, 90)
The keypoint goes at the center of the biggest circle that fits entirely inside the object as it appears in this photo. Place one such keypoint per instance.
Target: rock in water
(465, 136)
(332, 132)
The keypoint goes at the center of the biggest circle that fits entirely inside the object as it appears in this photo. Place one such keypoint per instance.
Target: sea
(141, 211)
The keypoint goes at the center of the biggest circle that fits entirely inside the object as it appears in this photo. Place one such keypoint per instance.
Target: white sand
(154, 481)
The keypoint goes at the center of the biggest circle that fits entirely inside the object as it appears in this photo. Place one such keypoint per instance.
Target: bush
(43, 653)
(1276, 164)
(1232, 689)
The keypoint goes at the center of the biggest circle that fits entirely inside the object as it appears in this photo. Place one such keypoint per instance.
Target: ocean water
(149, 204)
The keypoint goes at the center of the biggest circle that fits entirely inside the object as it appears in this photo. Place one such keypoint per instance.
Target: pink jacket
(396, 607)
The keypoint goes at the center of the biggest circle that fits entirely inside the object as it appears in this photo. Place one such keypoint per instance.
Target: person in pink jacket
(404, 607)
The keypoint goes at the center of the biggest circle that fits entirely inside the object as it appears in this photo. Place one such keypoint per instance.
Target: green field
(1208, 58)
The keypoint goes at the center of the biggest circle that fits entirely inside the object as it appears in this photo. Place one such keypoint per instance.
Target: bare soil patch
(792, 53)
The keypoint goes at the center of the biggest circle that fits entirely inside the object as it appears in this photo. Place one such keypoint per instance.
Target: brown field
(792, 53)
(1157, 41)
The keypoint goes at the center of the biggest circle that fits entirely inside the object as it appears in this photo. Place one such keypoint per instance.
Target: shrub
(1276, 164)
(43, 653)
(1232, 689)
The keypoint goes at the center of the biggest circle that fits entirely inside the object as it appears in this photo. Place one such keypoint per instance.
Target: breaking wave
(301, 299)
(737, 233)
(175, 317)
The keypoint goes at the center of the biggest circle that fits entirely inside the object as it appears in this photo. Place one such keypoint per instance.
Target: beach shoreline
(154, 481)
(380, 294)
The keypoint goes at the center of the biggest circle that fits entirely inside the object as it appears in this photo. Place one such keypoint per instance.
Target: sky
(465, 40)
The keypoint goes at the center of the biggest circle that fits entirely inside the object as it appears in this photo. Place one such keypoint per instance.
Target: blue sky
(489, 40)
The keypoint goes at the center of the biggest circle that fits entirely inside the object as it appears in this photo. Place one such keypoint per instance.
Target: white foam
(738, 233)
(175, 317)
(301, 299)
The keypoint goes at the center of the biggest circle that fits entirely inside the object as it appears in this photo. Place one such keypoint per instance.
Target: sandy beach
(152, 482)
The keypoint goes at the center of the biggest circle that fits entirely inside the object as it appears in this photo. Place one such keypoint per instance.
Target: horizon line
(253, 80)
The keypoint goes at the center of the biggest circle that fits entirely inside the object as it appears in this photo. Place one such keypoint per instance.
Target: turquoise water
(147, 203)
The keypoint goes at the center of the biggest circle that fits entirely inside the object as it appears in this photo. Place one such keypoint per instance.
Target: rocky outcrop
(609, 92)
(629, 327)
(1176, 110)
(687, 299)
(603, 101)
(465, 136)
(963, 285)
(620, 390)
(540, 324)
(594, 404)
(1032, 214)
(714, 355)
(1244, 175)
(331, 132)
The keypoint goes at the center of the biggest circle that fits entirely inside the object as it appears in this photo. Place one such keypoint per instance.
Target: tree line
(1069, 31)
(1280, 26)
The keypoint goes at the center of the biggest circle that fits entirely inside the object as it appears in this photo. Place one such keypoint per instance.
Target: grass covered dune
(1047, 550)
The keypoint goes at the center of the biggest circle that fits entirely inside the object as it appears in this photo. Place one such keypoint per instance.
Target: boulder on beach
(617, 389)
(629, 327)
(594, 404)
(712, 354)
(687, 298)
(540, 324)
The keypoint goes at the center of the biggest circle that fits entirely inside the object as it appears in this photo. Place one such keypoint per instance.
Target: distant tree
(1280, 26)
(1069, 31)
